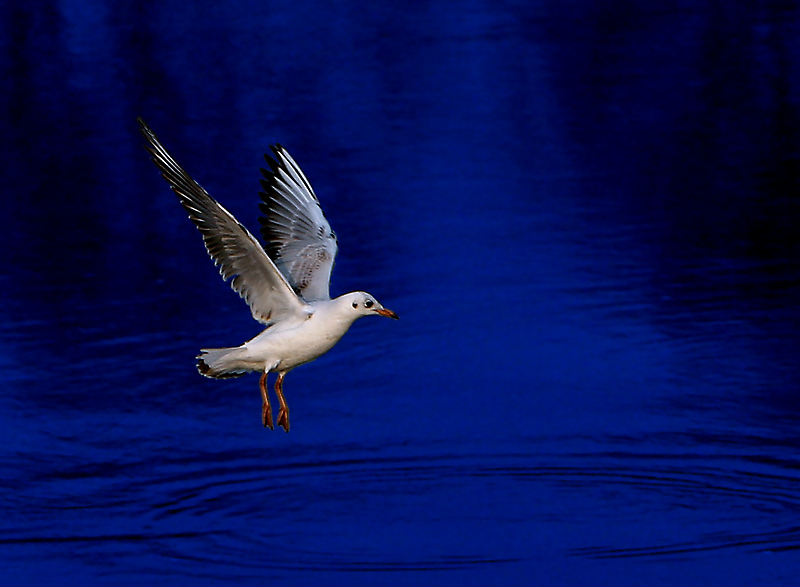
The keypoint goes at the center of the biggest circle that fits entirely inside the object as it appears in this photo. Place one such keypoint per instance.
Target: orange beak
(387, 313)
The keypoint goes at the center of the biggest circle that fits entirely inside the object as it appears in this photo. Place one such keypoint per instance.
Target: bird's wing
(298, 237)
(230, 245)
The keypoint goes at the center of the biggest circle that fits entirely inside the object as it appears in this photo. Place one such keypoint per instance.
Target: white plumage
(286, 285)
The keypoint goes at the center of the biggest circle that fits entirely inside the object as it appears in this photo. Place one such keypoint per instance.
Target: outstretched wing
(298, 237)
(230, 245)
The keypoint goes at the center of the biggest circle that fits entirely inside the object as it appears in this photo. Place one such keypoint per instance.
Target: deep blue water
(587, 215)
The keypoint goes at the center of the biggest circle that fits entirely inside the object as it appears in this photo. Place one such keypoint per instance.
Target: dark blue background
(586, 214)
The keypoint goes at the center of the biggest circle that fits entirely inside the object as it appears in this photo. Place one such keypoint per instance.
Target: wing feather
(231, 246)
(299, 239)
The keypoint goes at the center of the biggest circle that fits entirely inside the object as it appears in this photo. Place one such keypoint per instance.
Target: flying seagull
(285, 284)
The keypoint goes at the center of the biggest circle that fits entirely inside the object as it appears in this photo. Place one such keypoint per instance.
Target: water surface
(585, 214)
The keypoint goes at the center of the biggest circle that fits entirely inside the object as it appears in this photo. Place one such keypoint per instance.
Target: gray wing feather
(232, 247)
(299, 239)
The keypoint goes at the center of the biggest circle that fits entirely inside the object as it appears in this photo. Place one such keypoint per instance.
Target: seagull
(286, 284)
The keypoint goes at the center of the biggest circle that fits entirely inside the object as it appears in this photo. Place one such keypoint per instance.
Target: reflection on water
(302, 511)
(585, 215)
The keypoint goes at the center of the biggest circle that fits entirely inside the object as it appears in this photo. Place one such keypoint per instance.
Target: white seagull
(285, 285)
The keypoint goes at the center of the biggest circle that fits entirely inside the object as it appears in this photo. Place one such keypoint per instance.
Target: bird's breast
(302, 342)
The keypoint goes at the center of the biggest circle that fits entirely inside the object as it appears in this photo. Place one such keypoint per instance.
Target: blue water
(585, 213)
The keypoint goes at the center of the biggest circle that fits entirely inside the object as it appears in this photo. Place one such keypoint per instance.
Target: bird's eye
(355, 304)
(368, 303)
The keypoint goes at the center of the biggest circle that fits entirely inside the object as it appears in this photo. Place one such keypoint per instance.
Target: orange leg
(283, 414)
(266, 410)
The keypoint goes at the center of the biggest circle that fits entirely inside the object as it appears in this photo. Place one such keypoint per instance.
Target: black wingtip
(149, 137)
(273, 166)
(147, 133)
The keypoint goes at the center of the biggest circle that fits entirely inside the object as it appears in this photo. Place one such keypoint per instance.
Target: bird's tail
(222, 363)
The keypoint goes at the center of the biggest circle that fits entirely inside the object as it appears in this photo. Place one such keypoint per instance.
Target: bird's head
(363, 304)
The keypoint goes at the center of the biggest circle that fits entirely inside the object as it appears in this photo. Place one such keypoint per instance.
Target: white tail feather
(222, 363)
